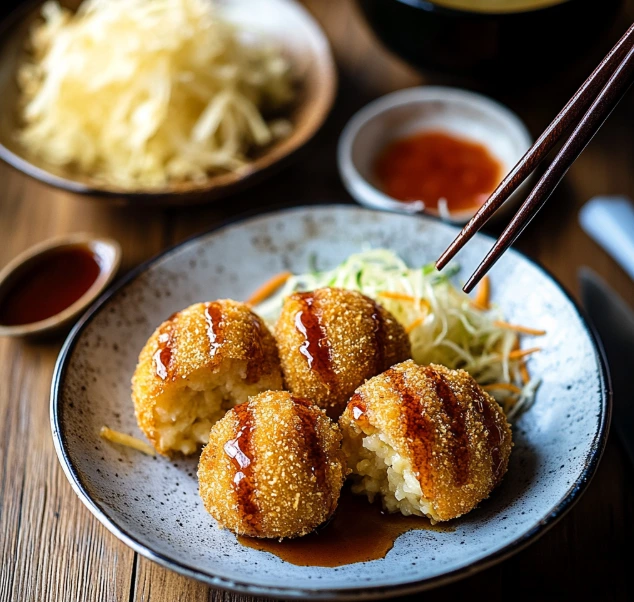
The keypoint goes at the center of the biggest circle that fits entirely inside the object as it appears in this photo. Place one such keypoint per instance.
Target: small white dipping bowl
(453, 111)
(107, 253)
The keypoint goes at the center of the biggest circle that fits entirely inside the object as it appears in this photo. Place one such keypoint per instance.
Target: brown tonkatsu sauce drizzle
(419, 430)
(358, 532)
(239, 450)
(459, 442)
(494, 434)
(215, 326)
(163, 355)
(255, 354)
(379, 338)
(359, 408)
(312, 449)
(315, 348)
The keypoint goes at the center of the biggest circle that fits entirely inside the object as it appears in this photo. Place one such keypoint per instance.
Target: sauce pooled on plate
(358, 532)
(430, 166)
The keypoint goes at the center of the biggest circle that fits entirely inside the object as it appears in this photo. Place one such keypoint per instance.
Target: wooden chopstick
(593, 119)
(569, 115)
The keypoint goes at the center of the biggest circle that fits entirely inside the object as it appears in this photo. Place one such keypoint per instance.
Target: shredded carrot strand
(268, 288)
(398, 296)
(415, 324)
(482, 296)
(505, 386)
(520, 353)
(526, 377)
(403, 297)
(517, 328)
(127, 440)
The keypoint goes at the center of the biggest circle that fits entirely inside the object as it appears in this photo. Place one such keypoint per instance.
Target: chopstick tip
(471, 283)
(445, 258)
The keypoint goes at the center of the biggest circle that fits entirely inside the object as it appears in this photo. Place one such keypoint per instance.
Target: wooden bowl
(284, 21)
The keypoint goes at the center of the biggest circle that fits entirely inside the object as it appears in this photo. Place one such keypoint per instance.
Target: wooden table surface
(51, 547)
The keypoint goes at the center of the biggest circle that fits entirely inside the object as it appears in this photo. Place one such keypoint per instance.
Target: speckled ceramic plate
(153, 504)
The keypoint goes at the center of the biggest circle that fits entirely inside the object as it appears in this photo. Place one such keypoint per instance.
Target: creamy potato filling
(379, 469)
(184, 415)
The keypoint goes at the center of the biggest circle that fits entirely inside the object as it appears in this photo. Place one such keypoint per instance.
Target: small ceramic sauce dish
(45, 288)
(436, 142)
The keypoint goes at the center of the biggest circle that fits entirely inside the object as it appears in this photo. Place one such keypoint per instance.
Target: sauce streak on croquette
(213, 317)
(495, 436)
(316, 347)
(314, 451)
(359, 408)
(459, 442)
(240, 453)
(419, 430)
(255, 353)
(216, 335)
(163, 355)
(379, 338)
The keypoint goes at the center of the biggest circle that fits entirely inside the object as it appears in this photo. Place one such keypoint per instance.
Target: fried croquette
(331, 340)
(199, 363)
(428, 440)
(273, 467)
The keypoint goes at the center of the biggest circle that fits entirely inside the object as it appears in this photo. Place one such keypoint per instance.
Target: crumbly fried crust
(273, 467)
(211, 337)
(453, 434)
(331, 340)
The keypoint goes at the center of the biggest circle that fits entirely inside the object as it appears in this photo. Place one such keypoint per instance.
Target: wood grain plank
(51, 548)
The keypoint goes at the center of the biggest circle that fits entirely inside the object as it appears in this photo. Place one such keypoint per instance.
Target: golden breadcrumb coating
(273, 467)
(331, 340)
(199, 363)
(427, 439)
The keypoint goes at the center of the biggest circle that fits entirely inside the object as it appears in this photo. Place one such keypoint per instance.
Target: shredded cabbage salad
(145, 92)
(444, 325)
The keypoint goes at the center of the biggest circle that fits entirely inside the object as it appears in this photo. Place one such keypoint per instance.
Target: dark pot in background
(490, 45)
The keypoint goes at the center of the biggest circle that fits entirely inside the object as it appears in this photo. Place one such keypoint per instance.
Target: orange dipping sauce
(430, 166)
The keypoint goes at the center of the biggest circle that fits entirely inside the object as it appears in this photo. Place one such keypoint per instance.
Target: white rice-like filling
(380, 469)
(189, 408)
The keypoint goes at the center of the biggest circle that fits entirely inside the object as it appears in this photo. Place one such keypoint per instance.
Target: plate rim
(353, 593)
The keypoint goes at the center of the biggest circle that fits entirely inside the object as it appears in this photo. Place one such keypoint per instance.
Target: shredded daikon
(127, 440)
(143, 92)
(444, 325)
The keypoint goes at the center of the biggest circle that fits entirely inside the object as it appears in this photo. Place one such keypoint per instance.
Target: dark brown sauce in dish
(315, 347)
(359, 532)
(239, 451)
(430, 166)
(52, 284)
